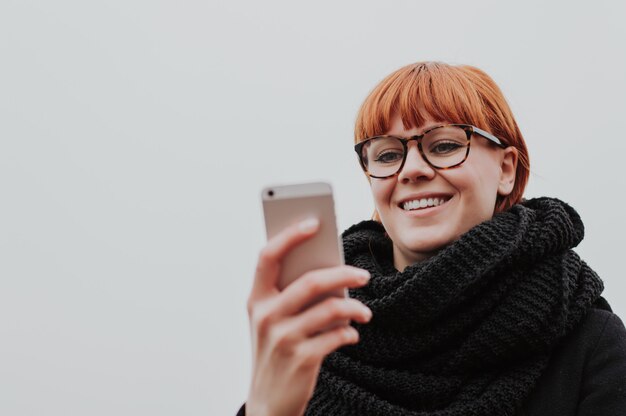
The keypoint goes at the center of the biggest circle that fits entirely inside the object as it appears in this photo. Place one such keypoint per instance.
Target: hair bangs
(419, 92)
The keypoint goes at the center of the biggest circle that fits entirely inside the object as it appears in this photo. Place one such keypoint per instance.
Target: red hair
(456, 94)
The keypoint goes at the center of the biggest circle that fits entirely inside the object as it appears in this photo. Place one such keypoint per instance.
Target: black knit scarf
(468, 331)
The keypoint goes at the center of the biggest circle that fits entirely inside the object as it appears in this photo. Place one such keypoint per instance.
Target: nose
(415, 167)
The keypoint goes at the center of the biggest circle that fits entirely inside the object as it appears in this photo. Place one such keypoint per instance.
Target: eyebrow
(422, 130)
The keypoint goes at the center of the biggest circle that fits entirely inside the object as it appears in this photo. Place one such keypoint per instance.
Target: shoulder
(599, 338)
(598, 341)
(605, 363)
(600, 328)
(586, 374)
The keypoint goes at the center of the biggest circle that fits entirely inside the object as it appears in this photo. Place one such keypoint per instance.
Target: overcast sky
(135, 137)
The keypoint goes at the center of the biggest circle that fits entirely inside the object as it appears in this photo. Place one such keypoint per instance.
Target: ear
(508, 167)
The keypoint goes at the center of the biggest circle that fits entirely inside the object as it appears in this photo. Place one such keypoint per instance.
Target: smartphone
(285, 205)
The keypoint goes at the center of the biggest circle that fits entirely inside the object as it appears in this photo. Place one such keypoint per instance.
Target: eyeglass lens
(443, 147)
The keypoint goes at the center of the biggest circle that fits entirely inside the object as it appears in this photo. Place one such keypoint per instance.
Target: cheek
(478, 187)
(381, 191)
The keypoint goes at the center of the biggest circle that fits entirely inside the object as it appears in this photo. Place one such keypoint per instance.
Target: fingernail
(364, 276)
(352, 334)
(368, 313)
(309, 225)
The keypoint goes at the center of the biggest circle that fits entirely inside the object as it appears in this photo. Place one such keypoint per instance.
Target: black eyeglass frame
(468, 128)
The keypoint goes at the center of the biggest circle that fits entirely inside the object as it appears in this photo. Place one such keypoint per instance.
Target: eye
(388, 156)
(445, 147)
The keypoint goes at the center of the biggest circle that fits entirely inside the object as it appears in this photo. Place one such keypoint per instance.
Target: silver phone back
(289, 204)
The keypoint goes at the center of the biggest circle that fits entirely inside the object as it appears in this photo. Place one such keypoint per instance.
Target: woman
(465, 298)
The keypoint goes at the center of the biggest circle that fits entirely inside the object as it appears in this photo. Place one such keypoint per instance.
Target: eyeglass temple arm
(489, 136)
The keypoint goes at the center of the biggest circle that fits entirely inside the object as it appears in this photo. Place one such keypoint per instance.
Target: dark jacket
(586, 375)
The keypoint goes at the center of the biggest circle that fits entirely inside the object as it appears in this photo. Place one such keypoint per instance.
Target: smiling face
(423, 209)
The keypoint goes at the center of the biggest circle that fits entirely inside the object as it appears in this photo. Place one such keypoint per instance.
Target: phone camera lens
(270, 192)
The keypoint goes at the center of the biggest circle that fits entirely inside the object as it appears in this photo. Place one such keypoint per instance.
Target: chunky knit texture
(468, 331)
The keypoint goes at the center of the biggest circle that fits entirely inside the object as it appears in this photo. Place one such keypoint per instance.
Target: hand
(290, 337)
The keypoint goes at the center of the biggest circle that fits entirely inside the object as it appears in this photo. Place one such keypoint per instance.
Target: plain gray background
(135, 137)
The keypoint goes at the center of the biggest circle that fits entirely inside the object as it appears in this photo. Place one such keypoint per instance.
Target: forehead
(398, 127)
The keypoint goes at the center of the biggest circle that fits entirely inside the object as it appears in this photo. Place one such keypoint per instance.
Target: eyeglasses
(442, 147)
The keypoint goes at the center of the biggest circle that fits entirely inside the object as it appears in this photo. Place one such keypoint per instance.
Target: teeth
(422, 203)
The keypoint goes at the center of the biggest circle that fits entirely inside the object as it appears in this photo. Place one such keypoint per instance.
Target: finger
(320, 346)
(332, 312)
(317, 283)
(268, 265)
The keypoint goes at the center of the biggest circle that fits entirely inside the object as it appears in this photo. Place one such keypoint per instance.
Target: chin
(426, 247)
(425, 239)
(429, 248)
